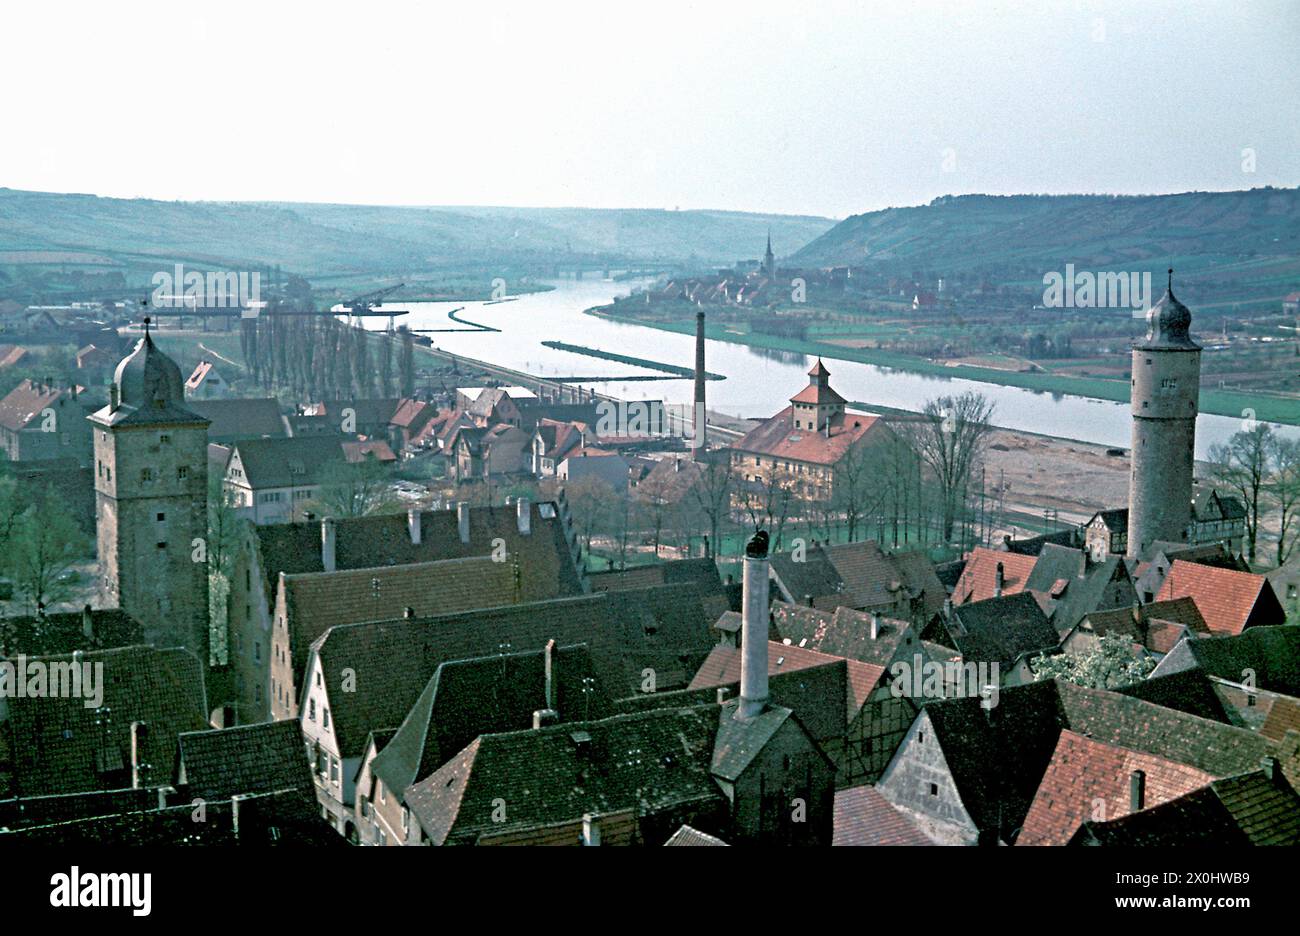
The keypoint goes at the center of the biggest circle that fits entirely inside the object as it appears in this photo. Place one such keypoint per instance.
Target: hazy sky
(799, 107)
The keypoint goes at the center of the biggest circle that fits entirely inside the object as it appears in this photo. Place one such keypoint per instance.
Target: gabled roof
(317, 601)
(54, 634)
(1269, 655)
(864, 817)
(1086, 777)
(486, 695)
(686, 836)
(652, 762)
(702, 571)
(297, 462)
(860, 575)
(62, 746)
(842, 633)
(665, 629)
(1115, 519)
(25, 402)
(1070, 584)
(385, 540)
(231, 420)
(778, 438)
(1155, 626)
(740, 740)
(1248, 809)
(1001, 630)
(260, 758)
(977, 580)
(1225, 598)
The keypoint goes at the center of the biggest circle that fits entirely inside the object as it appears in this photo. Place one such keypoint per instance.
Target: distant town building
(41, 421)
(206, 383)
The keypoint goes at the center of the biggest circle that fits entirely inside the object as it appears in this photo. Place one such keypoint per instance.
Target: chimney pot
(1272, 768)
(999, 581)
(1137, 791)
(139, 732)
(408, 613)
(550, 675)
(875, 626)
(590, 829)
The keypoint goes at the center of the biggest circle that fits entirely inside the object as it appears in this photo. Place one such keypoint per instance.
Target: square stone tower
(151, 501)
(1165, 394)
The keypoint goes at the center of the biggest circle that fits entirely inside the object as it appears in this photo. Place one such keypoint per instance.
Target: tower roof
(1169, 324)
(149, 388)
(819, 370)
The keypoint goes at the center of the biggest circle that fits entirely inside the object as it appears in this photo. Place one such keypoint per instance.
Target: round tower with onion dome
(1165, 391)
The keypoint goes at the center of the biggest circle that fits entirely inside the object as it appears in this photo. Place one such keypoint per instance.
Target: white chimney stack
(590, 829)
(462, 520)
(413, 525)
(328, 540)
(875, 626)
(754, 628)
(524, 516)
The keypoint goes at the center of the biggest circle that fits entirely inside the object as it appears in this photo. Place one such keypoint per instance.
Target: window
(162, 517)
(164, 439)
(334, 769)
(383, 793)
(146, 474)
(182, 472)
(311, 709)
(934, 789)
(325, 717)
(257, 651)
(162, 545)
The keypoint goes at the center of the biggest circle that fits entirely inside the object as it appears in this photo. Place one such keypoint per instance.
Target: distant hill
(1195, 231)
(336, 240)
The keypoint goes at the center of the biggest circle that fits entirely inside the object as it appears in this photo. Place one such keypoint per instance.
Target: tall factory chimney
(1165, 393)
(699, 427)
(753, 629)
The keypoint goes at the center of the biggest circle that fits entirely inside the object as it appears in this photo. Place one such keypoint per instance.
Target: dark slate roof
(282, 818)
(1116, 519)
(1034, 544)
(55, 634)
(1084, 583)
(232, 420)
(150, 391)
(301, 461)
(843, 633)
(1001, 630)
(739, 740)
(261, 758)
(859, 575)
(1248, 809)
(651, 762)
(384, 540)
(1272, 653)
(814, 577)
(686, 836)
(1189, 691)
(664, 628)
(486, 695)
(703, 572)
(61, 746)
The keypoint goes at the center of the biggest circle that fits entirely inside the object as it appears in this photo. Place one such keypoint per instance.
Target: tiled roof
(1225, 598)
(412, 414)
(842, 633)
(979, 576)
(295, 462)
(20, 407)
(11, 354)
(260, 758)
(863, 818)
(1269, 655)
(860, 575)
(739, 740)
(1071, 585)
(777, 438)
(1248, 809)
(1142, 623)
(1283, 716)
(693, 837)
(664, 629)
(655, 762)
(232, 420)
(56, 634)
(703, 572)
(486, 695)
(385, 540)
(1087, 779)
(1001, 630)
(1190, 691)
(61, 746)
(378, 449)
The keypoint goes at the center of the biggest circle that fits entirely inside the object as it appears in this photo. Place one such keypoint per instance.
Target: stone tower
(1165, 390)
(151, 501)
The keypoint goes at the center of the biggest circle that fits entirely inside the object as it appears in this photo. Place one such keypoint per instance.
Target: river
(758, 382)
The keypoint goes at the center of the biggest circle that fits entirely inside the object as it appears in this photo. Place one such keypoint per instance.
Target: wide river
(758, 382)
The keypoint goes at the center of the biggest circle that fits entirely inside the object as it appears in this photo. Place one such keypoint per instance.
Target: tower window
(146, 474)
(164, 439)
(162, 545)
(162, 517)
(182, 472)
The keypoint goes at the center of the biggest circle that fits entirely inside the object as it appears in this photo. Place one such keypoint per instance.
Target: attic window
(934, 789)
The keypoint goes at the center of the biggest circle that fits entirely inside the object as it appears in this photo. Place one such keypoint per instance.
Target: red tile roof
(978, 578)
(25, 402)
(777, 438)
(1087, 780)
(1224, 597)
(864, 817)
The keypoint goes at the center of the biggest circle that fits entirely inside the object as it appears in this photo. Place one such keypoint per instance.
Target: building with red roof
(1230, 601)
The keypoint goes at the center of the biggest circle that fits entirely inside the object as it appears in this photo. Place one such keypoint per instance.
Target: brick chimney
(139, 733)
(88, 624)
(590, 829)
(328, 541)
(1137, 791)
(754, 628)
(999, 581)
(548, 715)
(875, 626)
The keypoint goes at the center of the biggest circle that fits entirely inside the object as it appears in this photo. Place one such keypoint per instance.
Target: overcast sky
(796, 107)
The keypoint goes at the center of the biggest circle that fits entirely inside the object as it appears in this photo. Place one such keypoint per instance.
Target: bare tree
(949, 438)
(355, 489)
(711, 493)
(1284, 493)
(44, 544)
(1242, 466)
